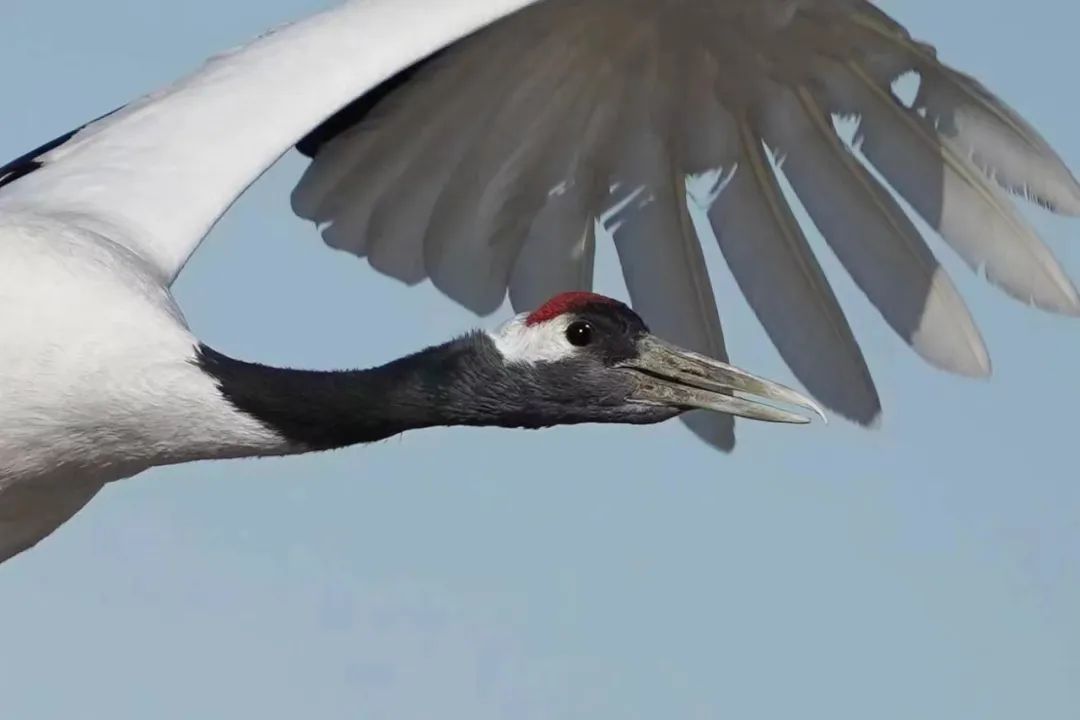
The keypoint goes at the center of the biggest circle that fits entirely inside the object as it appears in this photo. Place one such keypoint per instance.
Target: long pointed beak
(677, 378)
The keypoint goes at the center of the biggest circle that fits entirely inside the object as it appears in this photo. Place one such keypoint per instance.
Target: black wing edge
(361, 108)
(370, 103)
(28, 163)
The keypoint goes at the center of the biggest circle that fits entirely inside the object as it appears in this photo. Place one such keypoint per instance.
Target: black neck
(460, 383)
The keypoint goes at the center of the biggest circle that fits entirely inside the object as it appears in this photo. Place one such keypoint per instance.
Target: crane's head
(583, 357)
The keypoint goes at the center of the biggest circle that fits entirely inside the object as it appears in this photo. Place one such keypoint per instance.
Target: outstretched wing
(157, 174)
(485, 167)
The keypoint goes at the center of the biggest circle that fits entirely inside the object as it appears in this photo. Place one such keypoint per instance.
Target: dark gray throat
(320, 410)
(464, 382)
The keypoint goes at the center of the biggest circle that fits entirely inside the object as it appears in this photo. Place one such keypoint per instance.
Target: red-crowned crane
(478, 143)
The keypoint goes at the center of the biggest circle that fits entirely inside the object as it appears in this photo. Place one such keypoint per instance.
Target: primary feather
(872, 237)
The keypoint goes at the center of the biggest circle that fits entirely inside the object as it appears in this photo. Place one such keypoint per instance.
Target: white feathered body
(97, 380)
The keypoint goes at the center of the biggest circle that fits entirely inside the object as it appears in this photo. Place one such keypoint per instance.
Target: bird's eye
(579, 333)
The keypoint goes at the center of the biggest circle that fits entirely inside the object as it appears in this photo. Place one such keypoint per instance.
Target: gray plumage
(486, 169)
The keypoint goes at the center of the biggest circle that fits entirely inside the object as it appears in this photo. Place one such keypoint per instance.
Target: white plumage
(486, 169)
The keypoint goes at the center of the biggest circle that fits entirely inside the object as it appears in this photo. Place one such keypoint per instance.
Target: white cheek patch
(518, 342)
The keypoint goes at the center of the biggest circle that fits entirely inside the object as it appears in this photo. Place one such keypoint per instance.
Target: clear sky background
(929, 569)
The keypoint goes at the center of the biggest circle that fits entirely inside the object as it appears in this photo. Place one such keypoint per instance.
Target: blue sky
(928, 569)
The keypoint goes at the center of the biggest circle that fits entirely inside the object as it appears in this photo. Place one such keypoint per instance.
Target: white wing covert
(157, 174)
